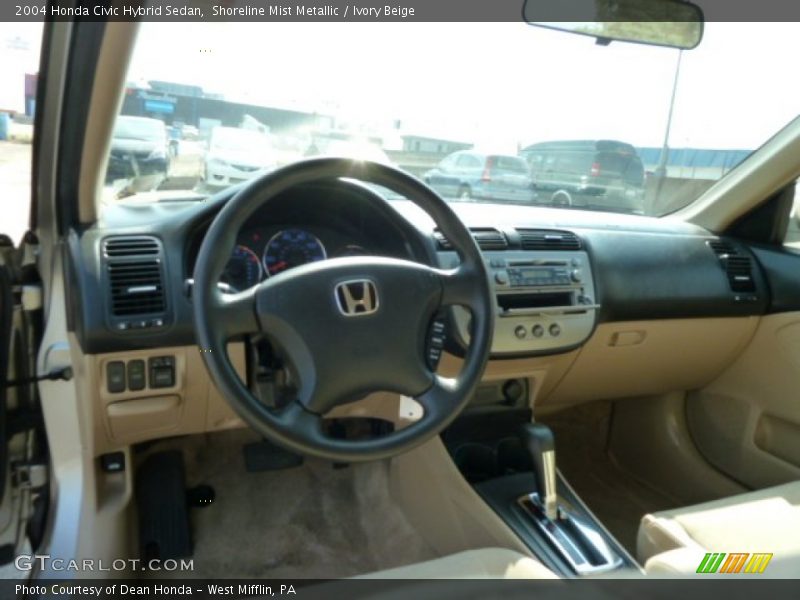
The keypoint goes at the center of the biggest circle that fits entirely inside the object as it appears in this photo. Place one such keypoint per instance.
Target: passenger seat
(763, 522)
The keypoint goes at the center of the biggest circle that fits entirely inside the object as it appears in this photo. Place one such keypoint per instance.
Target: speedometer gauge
(243, 270)
(291, 248)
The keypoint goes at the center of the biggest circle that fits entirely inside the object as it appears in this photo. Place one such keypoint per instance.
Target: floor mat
(312, 521)
(617, 499)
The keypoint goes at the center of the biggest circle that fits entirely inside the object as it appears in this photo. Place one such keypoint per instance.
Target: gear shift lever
(538, 441)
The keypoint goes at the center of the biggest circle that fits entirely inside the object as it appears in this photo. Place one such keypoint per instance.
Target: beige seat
(487, 563)
(765, 521)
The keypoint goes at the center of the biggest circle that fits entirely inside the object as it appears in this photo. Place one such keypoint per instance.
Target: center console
(511, 463)
(544, 290)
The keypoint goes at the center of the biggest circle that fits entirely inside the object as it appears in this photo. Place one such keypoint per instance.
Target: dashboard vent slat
(740, 273)
(548, 239)
(133, 266)
(738, 267)
(487, 239)
(131, 246)
(136, 288)
(721, 247)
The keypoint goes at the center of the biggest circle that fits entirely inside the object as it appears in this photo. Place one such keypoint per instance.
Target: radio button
(537, 331)
(520, 332)
(555, 330)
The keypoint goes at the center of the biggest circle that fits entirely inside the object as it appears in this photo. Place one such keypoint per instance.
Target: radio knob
(520, 332)
(537, 331)
(501, 277)
(555, 329)
(576, 275)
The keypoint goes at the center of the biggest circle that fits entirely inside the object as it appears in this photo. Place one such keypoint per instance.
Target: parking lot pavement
(15, 188)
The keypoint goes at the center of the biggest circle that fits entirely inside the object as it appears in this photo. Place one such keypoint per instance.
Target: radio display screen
(536, 276)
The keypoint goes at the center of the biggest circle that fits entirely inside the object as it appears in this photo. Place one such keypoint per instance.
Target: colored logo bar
(735, 562)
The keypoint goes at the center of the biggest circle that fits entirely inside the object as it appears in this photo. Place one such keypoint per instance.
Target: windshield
(569, 123)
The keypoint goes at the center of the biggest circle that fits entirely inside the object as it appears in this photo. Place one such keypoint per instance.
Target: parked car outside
(473, 175)
(235, 155)
(596, 174)
(139, 151)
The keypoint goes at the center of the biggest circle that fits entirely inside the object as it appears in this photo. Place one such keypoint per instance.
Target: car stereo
(545, 300)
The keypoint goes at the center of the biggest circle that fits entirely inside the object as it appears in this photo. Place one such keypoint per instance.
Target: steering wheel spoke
(294, 417)
(458, 287)
(235, 314)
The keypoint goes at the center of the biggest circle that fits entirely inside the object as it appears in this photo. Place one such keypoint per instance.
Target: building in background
(693, 163)
(178, 105)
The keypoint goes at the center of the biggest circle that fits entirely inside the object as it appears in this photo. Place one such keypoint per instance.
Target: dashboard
(557, 274)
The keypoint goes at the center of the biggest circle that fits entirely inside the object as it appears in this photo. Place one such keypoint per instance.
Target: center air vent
(548, 239)
(487, 239)
(738, 267)
(135, 276)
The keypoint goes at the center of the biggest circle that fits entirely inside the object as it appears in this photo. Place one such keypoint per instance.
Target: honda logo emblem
(356, 298)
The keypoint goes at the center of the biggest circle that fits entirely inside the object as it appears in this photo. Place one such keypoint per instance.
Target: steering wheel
(348, 326)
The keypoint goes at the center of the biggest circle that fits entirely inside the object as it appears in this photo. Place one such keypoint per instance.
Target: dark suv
(599, 174)
(468, 174)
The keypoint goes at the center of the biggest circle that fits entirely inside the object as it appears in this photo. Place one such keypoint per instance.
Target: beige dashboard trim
(641, 358)
(747, 421)
(620, 360)
(192, 405)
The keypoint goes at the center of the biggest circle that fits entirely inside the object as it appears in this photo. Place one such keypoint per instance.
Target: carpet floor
(312, 521)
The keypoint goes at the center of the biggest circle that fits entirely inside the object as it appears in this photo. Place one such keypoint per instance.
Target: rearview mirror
(672, 23)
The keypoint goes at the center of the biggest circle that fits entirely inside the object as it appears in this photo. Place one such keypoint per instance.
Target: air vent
(721, 247)
(131, 246)
(134, 270)
(740, 273)
(136, 288)
(738, 267)
(548, 239)
(487, 239)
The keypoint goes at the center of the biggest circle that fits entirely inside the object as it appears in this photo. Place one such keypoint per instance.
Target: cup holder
(483, 461)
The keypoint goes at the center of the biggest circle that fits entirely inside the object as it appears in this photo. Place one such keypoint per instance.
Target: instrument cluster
(266, 252)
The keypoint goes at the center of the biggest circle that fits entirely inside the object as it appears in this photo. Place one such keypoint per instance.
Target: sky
(496, 85)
